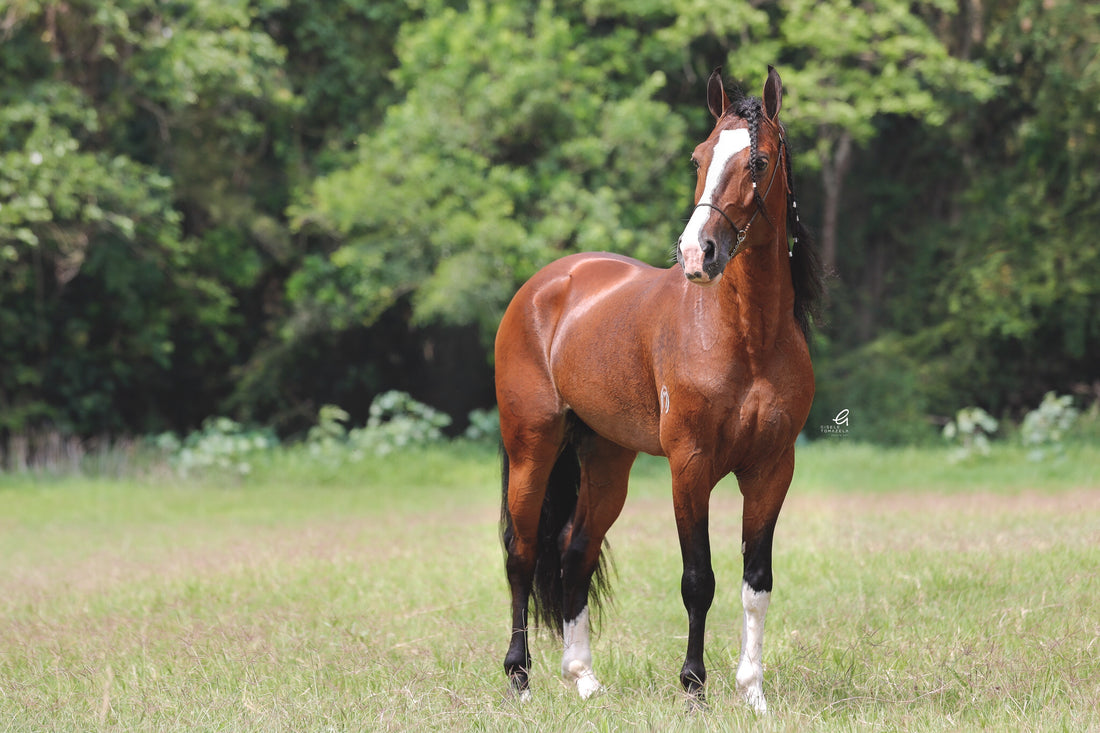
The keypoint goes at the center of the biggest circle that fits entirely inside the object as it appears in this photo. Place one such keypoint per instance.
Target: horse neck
(758, 285)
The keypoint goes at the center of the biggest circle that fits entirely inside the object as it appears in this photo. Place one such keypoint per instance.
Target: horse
(706, 362)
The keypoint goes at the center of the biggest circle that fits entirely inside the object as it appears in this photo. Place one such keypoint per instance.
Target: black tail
(558, 507)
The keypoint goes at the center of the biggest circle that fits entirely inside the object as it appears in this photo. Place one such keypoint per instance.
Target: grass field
(910, 594)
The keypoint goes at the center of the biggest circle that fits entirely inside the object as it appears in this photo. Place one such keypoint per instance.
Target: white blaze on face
(730, 143)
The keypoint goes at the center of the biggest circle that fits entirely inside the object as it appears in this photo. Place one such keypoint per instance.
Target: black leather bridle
(742, 232)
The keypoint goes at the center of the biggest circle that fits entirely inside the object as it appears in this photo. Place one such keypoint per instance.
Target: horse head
(736, 166)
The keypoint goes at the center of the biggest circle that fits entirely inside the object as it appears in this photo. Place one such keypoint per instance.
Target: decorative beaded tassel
(794, 207)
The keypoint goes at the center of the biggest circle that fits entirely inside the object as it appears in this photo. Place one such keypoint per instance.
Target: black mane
(806, 273)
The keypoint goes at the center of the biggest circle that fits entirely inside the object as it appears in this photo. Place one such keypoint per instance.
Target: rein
(742, 233)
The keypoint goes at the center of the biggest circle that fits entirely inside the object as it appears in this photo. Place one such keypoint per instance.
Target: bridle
(744, 232)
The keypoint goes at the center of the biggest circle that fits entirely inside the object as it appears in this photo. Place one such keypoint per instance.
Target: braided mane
(806, 273)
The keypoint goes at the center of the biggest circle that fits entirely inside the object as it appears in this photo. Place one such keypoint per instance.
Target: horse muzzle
(703, 261)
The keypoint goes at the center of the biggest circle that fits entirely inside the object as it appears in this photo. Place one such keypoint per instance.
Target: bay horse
(600, 357)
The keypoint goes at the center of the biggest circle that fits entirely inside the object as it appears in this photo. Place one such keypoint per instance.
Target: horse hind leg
(517, 661)
(527, 469)
(605, 471)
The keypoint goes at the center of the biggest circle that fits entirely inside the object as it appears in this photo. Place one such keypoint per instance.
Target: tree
(846, 65)
(68, 217)
(1021, 291)
(268, 205)
(978, 236)
(512, 146)
(135, 138)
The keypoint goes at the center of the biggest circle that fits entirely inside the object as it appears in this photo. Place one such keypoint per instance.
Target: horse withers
(600, 356)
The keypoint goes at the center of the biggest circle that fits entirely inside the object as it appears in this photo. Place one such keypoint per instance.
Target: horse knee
(758, 561)
(520, 560)
(697, 588)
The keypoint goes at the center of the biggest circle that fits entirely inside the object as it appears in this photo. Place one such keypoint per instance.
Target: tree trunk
(832, 179)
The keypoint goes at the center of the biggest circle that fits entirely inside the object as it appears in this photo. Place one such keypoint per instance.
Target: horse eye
(761, 164)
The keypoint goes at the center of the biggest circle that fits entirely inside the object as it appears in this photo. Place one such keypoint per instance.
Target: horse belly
(629, 428)
(611, 393)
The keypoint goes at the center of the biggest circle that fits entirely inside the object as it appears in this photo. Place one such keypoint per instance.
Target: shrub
(484, 425)
(969, 430)
(221, 444)
(881, 384)
(395, 421)
(1044, 428)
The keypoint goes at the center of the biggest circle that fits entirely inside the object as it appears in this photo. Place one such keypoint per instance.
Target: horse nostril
(709, 250)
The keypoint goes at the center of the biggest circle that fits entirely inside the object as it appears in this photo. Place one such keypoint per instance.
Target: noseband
(742, 233)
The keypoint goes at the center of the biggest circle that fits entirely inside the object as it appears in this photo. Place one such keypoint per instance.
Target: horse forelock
(751, 110)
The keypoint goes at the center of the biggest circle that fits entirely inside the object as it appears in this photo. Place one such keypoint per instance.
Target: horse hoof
(755, 699)
(514, 694)
(518, 689)
(697, 703)
(588, 685)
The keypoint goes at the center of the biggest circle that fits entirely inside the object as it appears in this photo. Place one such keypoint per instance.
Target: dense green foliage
(257, 207)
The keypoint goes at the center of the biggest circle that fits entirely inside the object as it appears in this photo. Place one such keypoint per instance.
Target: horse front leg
(691, 499)
(755, 597)
(764, 494)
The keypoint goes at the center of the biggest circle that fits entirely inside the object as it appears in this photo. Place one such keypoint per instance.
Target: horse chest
(737, 408)
(764, 419)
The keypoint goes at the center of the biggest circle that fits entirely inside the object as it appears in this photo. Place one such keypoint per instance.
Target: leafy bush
(484, 425)
(222, 444)
(328, 439)
(969, 430)
(395, 421)
(882, 385)
(1045, 427)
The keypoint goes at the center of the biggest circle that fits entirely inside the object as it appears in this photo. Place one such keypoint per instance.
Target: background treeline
(257, 207)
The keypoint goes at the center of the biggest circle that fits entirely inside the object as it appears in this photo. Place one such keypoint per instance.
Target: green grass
(911, 593)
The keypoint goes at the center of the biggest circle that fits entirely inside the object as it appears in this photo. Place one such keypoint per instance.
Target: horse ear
(773, 93)
(717, 100)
